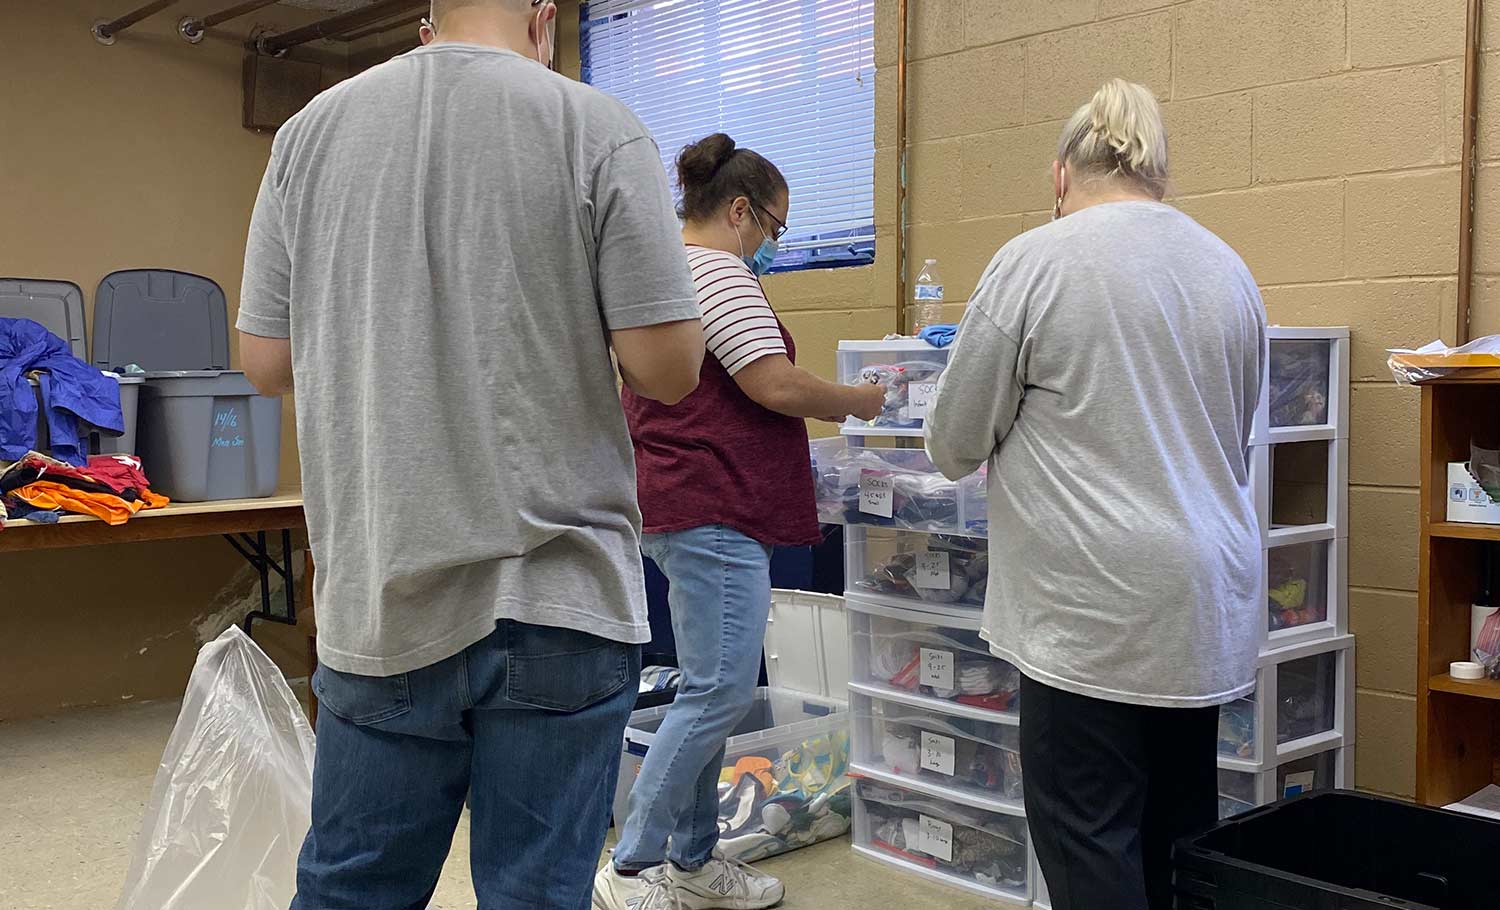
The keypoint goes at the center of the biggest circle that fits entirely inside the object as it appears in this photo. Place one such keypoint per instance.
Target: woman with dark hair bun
(724, 476)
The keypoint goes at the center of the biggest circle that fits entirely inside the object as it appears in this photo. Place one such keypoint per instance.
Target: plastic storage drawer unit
(784, 783)
(912, 569)
(1302, 703)
(908, 367)
(929, 659)
(982, 852)
(894, 488)
(1341, 851)
(975, 762)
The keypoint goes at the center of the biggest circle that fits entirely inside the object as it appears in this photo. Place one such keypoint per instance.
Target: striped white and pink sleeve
(739, 325)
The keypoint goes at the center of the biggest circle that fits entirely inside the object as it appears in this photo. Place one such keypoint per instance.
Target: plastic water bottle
(928, 305)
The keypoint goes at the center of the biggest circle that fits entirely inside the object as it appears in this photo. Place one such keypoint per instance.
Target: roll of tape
(1466, 669)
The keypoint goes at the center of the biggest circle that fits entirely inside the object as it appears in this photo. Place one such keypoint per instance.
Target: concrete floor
(72, 789)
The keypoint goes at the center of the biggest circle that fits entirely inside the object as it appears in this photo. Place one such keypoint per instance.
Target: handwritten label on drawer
(937, 668)
(877, 494)
(935, 838)
(931, 571)
(920, 396)
(938, 753)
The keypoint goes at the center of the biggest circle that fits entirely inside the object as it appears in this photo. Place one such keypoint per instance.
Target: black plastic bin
(1335, 850)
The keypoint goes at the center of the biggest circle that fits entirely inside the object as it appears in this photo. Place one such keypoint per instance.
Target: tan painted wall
(120, 157)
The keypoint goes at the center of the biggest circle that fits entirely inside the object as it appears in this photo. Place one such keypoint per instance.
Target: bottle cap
(1466, 669)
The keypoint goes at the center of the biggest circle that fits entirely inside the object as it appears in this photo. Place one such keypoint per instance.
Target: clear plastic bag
(232, 800)
(1436, 360)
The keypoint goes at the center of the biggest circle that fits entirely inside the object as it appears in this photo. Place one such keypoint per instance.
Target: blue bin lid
(57, 305)
(160, 320)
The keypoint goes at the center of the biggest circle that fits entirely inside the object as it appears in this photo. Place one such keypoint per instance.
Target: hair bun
(698, 163)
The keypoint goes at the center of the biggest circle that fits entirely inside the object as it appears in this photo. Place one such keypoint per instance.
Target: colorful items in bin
(1237, 729)
(660, 679)
(990, 850)
(968, 573)
(976, 762)
(897, 379)
(1299, 383)
(921, 500)
(1287, 598)
(74, 395)
(112, 488)
(767, 808)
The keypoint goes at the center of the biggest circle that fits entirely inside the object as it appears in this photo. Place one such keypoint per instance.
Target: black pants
(1109, 788)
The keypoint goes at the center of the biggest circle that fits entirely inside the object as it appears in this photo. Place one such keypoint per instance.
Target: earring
(1057, 209)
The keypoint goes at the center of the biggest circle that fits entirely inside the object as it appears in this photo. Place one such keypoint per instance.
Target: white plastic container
(784, 781)
(1241, 791)
(909, 367)
(1305, 386)
(933, 659)
(984, 853)
(912, 569)
(1303, 703)
(973, 762)
(1300, 490)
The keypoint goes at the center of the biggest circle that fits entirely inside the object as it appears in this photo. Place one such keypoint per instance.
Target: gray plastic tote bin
(204, 433)
(58, 307)
(206, 436)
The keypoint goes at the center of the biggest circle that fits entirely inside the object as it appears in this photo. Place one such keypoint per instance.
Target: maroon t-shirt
(717, 457)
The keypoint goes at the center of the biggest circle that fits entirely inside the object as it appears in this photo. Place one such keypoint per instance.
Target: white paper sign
(919, 398)
(1298, 782)
(937, 668)
(938, 753)
(931, 571)
(877, 494)
(935, 838)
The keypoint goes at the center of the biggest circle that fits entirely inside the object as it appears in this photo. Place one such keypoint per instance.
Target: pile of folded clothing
(111, 488)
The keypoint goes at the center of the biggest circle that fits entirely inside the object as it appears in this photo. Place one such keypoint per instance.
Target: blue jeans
(525, 725)
(720, 595)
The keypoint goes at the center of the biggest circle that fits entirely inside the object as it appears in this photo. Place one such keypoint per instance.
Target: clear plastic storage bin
(1302, 703)
(1305, 586)
(1241, 791)
(911, 568)
(908, 367)
(893, 488)
(784, 782)
(912, 745)
(1299, 489)
(986, 853)
(1306, 379)
(933, 659)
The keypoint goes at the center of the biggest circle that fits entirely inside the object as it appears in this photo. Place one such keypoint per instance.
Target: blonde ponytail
(1118, 135)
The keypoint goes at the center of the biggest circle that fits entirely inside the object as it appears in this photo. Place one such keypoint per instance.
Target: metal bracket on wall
(105, 30)
(253, 548)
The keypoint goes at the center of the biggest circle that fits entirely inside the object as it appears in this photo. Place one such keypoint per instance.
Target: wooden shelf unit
(1458, 721)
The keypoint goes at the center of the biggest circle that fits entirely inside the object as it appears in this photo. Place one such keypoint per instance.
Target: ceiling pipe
(1472, 59)
(193, 28)
(901, 156)
(384, 27)
(276, 45)
(105, 30)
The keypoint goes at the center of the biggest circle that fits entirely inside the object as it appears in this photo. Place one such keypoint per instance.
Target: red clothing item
(717, 457)
(118, 472)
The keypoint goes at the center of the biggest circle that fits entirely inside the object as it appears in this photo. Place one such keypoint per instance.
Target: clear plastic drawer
(910, 568)
(1302, 703)
(912, 745)
(982, 852)
(932, 659)
(891, 488)
(1306, 380)
(1300, 490)
(1305, 587)
(908, 368)
(1241, 791)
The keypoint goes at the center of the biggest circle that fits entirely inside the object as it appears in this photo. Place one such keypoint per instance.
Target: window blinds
(791, 79)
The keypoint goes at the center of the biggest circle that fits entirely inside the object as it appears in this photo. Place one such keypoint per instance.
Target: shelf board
(1458, 530)
(1474, 688)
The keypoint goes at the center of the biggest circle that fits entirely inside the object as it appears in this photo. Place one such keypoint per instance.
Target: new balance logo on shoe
(722, 884)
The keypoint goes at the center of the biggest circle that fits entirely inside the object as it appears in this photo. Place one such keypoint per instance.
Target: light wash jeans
(525, 725)
(720, 595)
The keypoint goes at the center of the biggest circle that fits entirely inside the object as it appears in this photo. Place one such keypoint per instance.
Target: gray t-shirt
(1107, 370)
(447, 240)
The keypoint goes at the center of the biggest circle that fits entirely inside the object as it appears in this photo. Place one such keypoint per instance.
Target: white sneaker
(613, 891)
(722, 884)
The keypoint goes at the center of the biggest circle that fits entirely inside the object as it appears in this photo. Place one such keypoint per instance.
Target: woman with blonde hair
(1106, 371)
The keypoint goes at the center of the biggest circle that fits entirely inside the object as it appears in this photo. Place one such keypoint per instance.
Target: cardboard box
(1467, 500)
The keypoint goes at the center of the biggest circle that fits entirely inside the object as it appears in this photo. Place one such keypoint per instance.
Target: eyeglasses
(781, 228)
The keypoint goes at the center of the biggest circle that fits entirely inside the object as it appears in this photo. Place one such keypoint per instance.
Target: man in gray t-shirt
(444, 250)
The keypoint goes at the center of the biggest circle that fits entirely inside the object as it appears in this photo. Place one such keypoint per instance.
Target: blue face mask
(765, 254)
